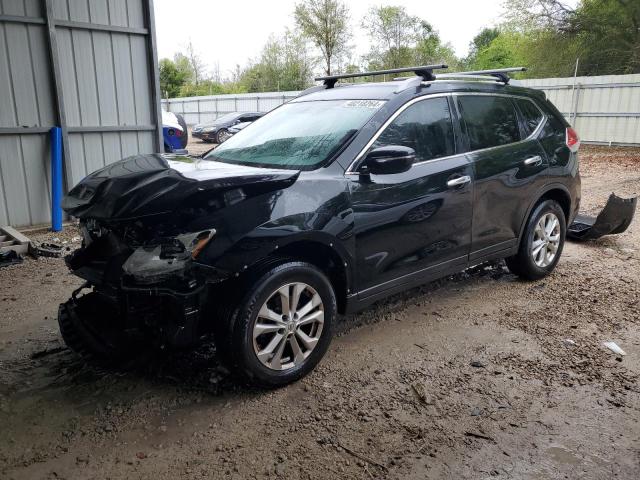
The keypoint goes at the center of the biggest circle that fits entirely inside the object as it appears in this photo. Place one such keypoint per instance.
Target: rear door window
(490, 121)
(424, 126)
(531, 114)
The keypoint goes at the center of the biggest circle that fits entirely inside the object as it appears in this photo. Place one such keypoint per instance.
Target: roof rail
(424, 71)
(498, 74)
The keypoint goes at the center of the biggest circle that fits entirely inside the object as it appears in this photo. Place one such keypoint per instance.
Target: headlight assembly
(150, 264)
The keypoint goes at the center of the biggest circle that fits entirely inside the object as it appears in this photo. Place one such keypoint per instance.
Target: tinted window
(531, 114)
(490, 121)
(424, 126)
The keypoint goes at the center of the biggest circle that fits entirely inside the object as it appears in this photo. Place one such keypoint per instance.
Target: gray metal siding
(105, 66)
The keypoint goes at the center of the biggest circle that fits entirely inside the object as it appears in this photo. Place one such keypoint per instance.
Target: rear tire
(271, 341)
(541, 243)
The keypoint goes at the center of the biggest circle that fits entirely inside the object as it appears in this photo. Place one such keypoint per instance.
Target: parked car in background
(218, 130)
(339, 198)
(174, 132)
(236, 128)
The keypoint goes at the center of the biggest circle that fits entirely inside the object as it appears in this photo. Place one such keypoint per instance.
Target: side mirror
(388, 160)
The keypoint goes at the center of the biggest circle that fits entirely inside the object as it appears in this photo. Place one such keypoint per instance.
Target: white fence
(206, 109)
(604, 109)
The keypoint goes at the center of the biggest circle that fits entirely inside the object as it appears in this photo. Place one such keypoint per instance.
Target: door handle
(458, 181)
(535, 161)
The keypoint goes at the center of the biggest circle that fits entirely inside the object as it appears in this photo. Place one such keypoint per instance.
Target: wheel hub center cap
(291, 326)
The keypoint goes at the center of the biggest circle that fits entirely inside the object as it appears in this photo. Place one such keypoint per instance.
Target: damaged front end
(150, 285)
(145, 221)
(614, 218)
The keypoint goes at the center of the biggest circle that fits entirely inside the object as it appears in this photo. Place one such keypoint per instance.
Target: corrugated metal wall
(604, 109)
(88, 66)
(205, 109)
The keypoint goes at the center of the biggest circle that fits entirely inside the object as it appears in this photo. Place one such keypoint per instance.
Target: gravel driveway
(476, 376)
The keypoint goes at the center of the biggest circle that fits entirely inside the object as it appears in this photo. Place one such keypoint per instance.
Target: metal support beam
(23, 130)
(57, 81)
(154, 81)
(17, 19)
(111, 128)
(100, 28)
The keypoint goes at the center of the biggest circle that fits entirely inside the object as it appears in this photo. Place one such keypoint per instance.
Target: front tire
(282, 328)
(222, 135)
(542, 242)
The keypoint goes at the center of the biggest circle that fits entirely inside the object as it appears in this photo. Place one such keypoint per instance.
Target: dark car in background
(336, 199)
(218, 130)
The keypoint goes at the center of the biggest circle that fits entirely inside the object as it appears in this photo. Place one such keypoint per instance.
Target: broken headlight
(149, 264)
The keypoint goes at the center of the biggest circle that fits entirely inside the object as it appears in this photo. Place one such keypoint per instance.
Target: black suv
(341, 197)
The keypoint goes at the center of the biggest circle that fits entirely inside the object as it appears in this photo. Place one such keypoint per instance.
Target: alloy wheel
(546, 240)
(288, 326)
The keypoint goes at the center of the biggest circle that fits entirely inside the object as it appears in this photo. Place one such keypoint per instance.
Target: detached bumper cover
(614, 218)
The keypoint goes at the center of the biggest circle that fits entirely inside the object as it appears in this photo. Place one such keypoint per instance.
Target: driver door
(415, 225)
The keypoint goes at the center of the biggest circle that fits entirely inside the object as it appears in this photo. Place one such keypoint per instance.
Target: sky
(226, 33)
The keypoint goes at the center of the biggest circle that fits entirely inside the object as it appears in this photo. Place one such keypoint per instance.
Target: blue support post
(56, 179)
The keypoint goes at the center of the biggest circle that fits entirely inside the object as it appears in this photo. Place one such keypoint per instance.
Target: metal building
(87, 66)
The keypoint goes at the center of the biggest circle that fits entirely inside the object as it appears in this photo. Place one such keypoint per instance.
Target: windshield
(301, 135)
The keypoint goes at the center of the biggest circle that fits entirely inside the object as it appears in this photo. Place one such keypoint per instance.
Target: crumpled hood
(153, 184)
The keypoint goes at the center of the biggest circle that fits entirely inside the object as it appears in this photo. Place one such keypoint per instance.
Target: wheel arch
(327, 259)
(559, 193)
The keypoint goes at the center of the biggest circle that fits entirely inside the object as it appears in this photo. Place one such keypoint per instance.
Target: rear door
(509, 167)
(414, 224)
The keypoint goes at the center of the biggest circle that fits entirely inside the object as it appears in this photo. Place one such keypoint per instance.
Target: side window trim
(352, 169)
(532, 136)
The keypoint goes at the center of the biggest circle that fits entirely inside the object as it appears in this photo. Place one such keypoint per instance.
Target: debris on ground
(614, 219)
(10, 257)
(11, 239)
(613, 346)
(49, 249)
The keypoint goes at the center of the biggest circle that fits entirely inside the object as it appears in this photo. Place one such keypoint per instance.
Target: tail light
(572, 141)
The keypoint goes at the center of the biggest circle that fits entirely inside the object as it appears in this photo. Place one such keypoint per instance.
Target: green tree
(284, 64)
(393, 33)
(172, 78)
(400, 40)
(503, 51)
(481, 41)
(326, 24)
(604, 34)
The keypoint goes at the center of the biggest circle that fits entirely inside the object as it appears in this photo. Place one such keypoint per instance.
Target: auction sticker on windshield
(364, 103)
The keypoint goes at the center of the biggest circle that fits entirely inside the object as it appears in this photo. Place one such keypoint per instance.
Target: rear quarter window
(490, 121)
(531, 115)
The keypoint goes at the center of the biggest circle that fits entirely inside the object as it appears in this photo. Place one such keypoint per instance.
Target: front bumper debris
(614, 218)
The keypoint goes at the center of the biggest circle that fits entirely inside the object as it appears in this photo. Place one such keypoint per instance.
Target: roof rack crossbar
(424, 71)
(501, 74)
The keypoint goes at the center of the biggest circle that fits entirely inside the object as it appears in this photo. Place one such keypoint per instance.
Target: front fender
(312, 212)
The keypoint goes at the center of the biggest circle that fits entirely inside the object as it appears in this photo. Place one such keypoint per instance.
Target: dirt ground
(476, 376)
